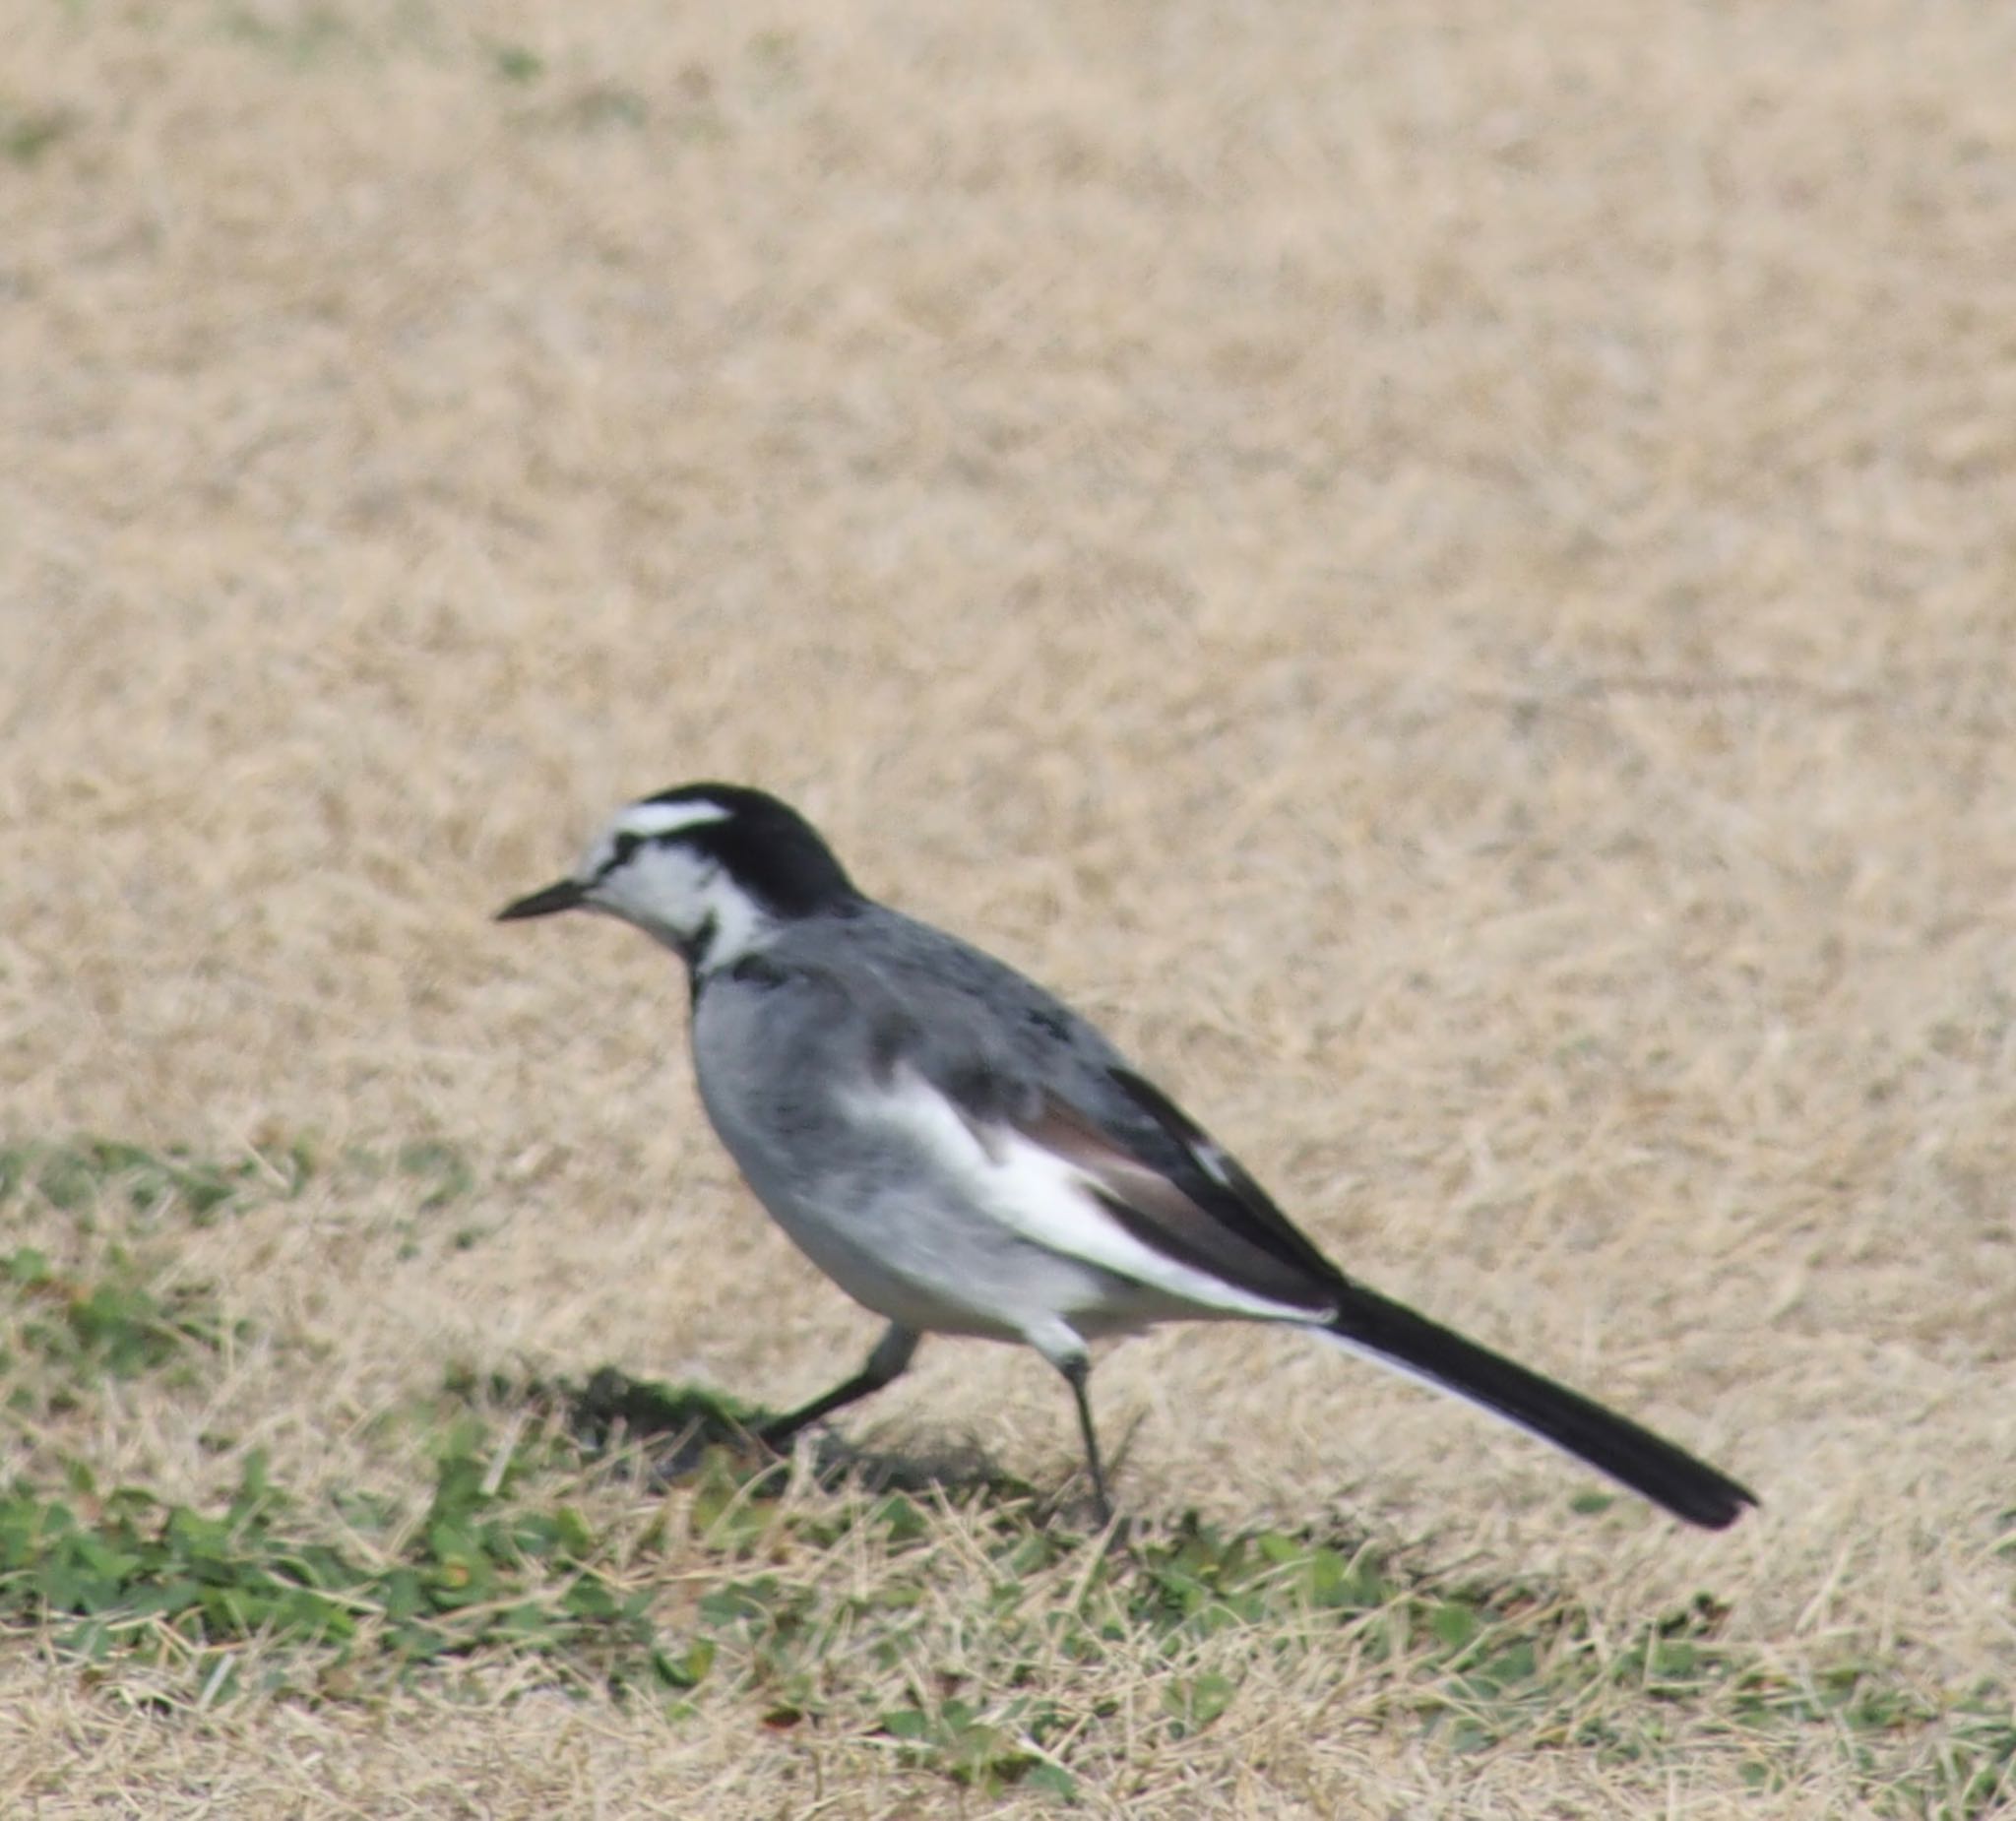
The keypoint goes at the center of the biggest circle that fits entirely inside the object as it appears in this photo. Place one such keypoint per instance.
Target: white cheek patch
(677, 894)
(738, 925)
(672, 882)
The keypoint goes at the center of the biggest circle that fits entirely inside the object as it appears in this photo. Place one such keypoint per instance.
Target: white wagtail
(963, 1154)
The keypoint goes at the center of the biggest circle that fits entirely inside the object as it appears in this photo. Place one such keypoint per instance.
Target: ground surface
(1449, 573)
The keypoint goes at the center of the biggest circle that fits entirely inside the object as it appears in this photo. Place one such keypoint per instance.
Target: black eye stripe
(626, 844)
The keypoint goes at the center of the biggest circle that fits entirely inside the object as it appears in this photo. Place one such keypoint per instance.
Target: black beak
(566, 895)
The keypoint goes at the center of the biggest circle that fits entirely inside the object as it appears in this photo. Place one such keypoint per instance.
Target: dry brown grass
(1448, 572)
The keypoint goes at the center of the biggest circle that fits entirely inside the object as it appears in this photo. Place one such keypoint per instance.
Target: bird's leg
(885, 1364)
(1077, 1372)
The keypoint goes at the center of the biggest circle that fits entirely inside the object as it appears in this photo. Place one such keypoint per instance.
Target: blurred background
(1449, 574)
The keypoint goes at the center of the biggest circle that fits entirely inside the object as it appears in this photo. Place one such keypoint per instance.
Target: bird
(964, 1155)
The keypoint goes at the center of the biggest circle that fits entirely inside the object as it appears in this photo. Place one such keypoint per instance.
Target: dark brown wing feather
(1203, 1220)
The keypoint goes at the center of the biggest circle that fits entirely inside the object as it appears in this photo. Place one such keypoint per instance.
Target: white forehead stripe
(650, 819)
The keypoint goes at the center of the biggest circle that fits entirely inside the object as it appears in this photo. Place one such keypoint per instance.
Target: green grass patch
(128, 1574)
(88, 1179)
(300, 37)
(516, 63)
(61, 1336)
(982, 1663)
(78, 1176)
(628, 1541)
(28, 134)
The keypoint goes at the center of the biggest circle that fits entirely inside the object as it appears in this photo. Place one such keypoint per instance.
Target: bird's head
(709, 869)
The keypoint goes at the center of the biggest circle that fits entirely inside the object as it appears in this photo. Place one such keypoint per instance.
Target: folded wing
(1199, 1206)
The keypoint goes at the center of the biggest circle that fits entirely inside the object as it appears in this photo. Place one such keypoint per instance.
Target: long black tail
(1396, 1335)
